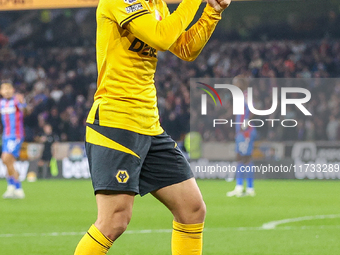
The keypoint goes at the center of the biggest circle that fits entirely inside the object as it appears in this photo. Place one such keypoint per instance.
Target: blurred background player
(12, 113)
(244, 140)
(48, 138)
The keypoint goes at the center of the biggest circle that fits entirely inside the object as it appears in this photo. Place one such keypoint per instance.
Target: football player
(129, 153)
(244, 140)
(12, 114)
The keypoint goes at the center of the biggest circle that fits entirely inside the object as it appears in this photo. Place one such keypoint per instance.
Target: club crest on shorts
(122, 176)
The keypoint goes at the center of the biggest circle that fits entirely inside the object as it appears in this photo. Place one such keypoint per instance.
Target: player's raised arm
(20, 99)
(21, 103)
(136, 18)
(190, 44)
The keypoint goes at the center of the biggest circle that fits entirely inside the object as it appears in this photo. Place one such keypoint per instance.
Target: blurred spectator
(48, 138)
(73, 130)
(3, 39)
(332, 128)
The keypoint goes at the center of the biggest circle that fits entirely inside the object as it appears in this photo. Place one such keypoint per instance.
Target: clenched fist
(219, 5)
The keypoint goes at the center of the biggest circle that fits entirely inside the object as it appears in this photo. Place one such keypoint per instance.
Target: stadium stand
(56, 71)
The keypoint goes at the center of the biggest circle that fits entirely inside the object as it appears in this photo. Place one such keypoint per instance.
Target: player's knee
(193, 214)
(115, 224)
(197, 212)
(116, 230)
(200, 210)
(118, 227)
(6, 159)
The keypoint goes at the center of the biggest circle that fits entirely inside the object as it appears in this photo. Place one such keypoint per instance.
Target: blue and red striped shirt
(12, 116)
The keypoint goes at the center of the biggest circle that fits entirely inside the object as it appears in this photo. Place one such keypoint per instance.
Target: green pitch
(55, 213)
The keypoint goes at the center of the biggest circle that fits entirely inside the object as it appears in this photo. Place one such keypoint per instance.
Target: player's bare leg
(9, 160)
(114, 214)
(13, 189)
(185, 202)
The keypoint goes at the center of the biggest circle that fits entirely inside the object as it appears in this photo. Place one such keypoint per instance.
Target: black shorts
(122, 160)
(46, 156)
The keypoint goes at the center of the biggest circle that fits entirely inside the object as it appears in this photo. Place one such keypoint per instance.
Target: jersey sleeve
(21, 105)
(122, 11)
(190, 44)
(162, 34)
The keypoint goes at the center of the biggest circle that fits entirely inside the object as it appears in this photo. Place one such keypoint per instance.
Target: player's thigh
(114, 213)
(167, 175)
(113, 205)
(184, 200)
(7, 158)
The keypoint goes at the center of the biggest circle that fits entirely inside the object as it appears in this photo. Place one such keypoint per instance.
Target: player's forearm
(162, 34)
(190, 44)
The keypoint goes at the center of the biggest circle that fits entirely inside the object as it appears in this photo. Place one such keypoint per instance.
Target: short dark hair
(7, 81)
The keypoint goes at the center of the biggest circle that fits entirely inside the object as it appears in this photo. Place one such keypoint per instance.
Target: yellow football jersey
(129, 34)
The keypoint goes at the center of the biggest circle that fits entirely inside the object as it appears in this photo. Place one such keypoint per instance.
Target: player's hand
(20, 98)
(219, 5)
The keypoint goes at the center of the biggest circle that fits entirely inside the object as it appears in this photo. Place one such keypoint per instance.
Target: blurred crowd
(318, 61)
(58, 85)
(56, 71)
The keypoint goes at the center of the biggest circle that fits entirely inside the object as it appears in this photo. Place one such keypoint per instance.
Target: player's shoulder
(110, 5)
(116, 4)
(119, 9)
